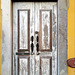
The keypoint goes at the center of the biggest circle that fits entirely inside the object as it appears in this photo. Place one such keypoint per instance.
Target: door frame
(7, 27)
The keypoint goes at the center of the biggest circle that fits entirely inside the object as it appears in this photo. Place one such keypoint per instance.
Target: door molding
(7, 55)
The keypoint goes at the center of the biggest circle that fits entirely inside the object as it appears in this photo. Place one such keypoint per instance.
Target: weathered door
(35, 38)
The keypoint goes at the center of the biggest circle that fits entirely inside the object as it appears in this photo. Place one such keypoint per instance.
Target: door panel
(23, 65)
(35, 38)
(45, 30)
(23, 30)
(45, 66)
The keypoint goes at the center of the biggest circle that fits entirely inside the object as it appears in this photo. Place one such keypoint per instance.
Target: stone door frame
(7, 25)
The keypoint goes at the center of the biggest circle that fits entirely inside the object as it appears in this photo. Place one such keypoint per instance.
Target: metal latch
(21, 53)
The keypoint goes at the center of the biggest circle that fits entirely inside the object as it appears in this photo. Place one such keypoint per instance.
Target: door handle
(32, 45)
(37, 38)
(32, 38)
(37, 45)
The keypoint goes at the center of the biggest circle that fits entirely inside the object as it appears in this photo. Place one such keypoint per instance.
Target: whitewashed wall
(6, 36)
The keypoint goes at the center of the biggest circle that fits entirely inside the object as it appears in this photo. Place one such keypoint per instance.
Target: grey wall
(62, 37)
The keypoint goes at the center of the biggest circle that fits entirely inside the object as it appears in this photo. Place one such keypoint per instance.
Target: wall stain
(3, 36)
(62, 33)
(2, 58)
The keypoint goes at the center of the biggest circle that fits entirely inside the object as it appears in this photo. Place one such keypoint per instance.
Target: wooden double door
(34, 38)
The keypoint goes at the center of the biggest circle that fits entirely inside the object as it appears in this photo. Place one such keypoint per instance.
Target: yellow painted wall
(71, 34)
(0, 36)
